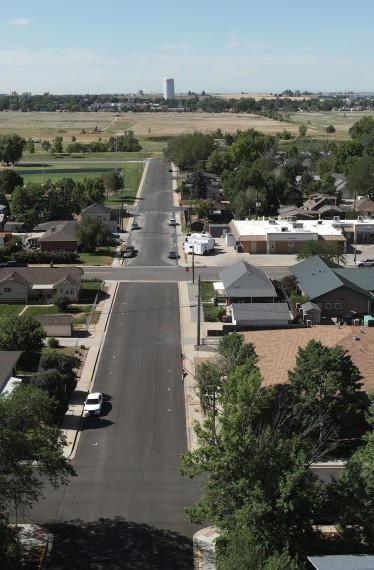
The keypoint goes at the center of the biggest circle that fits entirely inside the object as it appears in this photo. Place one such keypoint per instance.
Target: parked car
(13, 263)
(93, 404)
(365, 263)
(172, 222)
(135, 226)
(173, 255)
(129, 251)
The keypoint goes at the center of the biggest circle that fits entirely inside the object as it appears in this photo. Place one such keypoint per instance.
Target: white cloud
(20, 22)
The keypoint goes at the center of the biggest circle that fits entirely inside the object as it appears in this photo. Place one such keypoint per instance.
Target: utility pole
(198, 309)
(193, 264)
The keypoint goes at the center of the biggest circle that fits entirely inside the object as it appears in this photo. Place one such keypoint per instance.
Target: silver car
(365, 263)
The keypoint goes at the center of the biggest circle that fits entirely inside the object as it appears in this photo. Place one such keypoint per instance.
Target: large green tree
(55, 385)
(187, 151)
(30, 449)
(28, 203)
(11, 148)
(58, 202)
(324, 388)
(92, 233)
(87, 192)
(9, 180)
(360, 179)
(331, 251)
(353, 493)
(255, 477)
(196, 185)
(21, 333)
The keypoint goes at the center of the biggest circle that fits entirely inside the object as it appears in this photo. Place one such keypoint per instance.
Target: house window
(327, 305)
(338, 305)
(7, 290)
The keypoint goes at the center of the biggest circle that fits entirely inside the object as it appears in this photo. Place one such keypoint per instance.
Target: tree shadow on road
(117, 544)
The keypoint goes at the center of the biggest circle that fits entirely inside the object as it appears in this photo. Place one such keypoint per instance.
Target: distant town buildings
(169, 88)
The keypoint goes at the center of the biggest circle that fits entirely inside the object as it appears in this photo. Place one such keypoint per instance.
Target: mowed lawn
(102, 256)
(78, 312)
(10, 310)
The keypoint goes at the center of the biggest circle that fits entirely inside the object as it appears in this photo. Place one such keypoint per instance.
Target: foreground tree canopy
(255, 448)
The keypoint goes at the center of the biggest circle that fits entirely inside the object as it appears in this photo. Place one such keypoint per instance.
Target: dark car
(129, 251)
(13, 263)
(172, 255)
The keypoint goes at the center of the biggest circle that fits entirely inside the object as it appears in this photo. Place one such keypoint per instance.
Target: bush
(330, 129)
(53, 342)
(61, 302)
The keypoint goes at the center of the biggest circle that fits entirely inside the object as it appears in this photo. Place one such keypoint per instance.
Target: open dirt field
(148, 125)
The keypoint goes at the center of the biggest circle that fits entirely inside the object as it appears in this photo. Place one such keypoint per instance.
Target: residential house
(251, 297)
(3, 216)
(8, 364)
(107, 216)
(57, 236)
(334, 289)
(365, 207)
(325, 206)
(244, 283)
(37, 285)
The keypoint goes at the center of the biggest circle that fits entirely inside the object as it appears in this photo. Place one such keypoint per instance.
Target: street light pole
(198, 309)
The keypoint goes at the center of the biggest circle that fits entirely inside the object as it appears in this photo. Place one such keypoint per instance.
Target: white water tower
(169, 88)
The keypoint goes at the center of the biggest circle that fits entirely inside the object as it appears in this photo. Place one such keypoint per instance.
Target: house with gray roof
(58, 236)
(343, 562)
(244, 283)
(108, 216)
(336, 290)
(8, 364)
(37, 285)
(252, 298)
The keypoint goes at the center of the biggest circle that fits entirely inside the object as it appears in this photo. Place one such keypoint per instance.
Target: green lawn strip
(89, 291)
(207, 291)
(102, 256)
(78, 312)
(10, 310)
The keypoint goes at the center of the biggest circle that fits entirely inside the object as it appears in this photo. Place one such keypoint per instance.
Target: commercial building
(169, 88)
(288, 236)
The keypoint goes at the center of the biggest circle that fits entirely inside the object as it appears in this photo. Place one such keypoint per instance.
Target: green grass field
(10, 310)
(102, 256)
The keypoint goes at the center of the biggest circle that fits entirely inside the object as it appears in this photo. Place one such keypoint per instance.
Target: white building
(169, 88)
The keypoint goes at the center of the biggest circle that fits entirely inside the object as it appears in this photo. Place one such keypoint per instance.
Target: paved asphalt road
(125, 508)
(155, 238)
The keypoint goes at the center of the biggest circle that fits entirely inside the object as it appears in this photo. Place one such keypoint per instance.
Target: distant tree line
(287, 101)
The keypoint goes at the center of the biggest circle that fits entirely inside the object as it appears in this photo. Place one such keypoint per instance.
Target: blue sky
(121, 46)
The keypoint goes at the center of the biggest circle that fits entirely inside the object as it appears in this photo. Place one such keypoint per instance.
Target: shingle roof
(261, 313)
(65, 231)
(54, 319)
(96, 209)
(317, 277)
(8, 360)
(245, 280)
(343, 562)
(30, 276)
